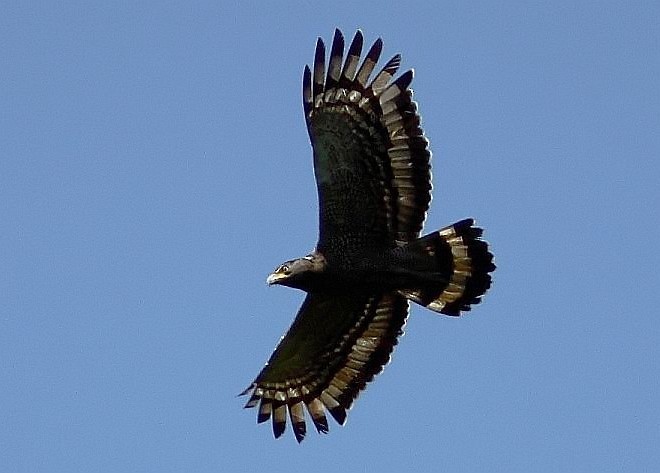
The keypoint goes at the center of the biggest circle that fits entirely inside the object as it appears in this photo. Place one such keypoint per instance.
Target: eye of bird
(284, 268)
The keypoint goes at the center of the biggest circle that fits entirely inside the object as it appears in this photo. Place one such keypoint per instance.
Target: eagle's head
(299, 273)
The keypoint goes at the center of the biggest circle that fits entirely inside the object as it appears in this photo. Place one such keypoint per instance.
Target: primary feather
(373, 175)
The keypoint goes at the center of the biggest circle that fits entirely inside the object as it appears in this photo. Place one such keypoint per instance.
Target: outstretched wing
(371, 160)
(334, 347)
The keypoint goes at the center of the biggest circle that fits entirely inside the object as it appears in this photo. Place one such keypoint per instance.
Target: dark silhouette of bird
(373, 174)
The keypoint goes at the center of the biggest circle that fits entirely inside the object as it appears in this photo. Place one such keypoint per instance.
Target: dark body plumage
(372, 167)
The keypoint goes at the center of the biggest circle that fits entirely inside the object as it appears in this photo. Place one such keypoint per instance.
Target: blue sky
(154, 167)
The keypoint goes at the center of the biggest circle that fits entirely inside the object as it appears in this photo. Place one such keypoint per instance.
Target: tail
(463, 260)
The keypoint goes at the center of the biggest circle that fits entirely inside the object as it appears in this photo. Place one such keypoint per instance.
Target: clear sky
(154, 167)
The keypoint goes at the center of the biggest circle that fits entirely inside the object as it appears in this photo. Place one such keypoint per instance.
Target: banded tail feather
(462, 257)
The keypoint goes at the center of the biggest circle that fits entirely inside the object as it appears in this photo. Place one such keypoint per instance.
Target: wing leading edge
(334, 347)
(371, 159)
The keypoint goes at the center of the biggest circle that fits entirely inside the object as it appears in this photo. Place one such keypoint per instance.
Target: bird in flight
(373, 175)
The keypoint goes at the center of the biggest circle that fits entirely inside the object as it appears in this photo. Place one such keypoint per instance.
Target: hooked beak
(275, 278)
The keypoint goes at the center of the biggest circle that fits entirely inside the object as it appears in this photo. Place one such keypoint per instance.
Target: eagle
(373, 176)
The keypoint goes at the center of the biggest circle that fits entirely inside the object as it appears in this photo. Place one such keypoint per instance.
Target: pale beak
(274, 278)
